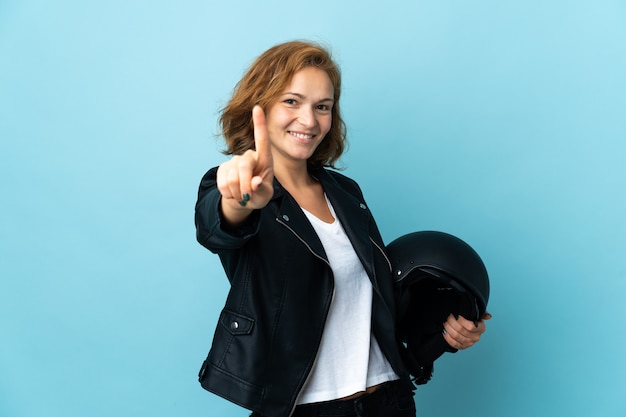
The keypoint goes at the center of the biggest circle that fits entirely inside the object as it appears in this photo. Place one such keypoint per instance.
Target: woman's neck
(293, 176)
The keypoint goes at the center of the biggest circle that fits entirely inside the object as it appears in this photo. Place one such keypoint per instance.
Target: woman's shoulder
(338, 177)
(343, 181)
(209, 178)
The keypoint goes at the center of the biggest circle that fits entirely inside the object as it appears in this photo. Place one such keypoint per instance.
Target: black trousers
(392, 399)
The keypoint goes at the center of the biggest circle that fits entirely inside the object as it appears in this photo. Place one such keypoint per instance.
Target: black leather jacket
(270, 328)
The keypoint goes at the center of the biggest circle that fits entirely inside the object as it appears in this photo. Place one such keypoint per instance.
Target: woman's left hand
(461, 333)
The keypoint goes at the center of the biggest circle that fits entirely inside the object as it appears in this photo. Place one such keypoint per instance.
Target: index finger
(261, 140)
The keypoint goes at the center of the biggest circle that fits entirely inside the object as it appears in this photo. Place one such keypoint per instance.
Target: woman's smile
(301, 136)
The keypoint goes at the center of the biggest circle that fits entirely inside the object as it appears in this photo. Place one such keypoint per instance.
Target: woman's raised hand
(245, 181)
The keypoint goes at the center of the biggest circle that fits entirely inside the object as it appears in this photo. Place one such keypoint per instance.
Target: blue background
(502, 122)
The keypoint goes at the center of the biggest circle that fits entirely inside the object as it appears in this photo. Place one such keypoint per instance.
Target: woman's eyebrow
(302, 96)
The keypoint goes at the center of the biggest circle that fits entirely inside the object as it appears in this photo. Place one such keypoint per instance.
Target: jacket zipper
(327, 307)
(375, 287)
(383, 253)
(303, 241)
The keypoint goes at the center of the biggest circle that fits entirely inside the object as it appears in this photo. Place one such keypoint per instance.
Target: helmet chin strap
(420, 357)
(426, 306)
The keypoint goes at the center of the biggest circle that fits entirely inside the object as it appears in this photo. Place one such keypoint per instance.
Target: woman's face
(302, 116)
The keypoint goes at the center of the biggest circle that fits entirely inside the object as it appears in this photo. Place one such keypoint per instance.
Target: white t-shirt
(349, 359)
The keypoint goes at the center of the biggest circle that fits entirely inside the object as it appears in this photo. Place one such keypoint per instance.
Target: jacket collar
(350, 210)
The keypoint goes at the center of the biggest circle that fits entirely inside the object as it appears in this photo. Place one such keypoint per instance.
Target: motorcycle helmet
(436, 274)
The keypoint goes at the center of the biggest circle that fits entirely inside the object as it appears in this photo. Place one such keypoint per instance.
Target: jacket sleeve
(211, 231)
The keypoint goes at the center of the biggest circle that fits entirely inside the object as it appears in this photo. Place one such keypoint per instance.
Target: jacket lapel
(354, 217)
(289, 214)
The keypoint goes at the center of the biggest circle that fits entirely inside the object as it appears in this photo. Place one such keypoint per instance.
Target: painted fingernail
(246, 197)
(243, 203)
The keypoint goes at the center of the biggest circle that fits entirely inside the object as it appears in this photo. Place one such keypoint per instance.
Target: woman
(308, 324)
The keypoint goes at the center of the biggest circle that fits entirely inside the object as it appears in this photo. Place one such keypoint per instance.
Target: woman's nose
(306, 117)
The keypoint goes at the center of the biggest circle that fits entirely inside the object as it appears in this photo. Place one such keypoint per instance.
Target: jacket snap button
(234, 325)
(285, 217)
(363, 206)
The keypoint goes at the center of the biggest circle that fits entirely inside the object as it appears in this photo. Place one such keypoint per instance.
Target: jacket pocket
(236, 324)
(235, 349)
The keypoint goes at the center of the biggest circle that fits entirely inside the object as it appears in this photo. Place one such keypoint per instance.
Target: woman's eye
(290, 101)
(324, 107)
